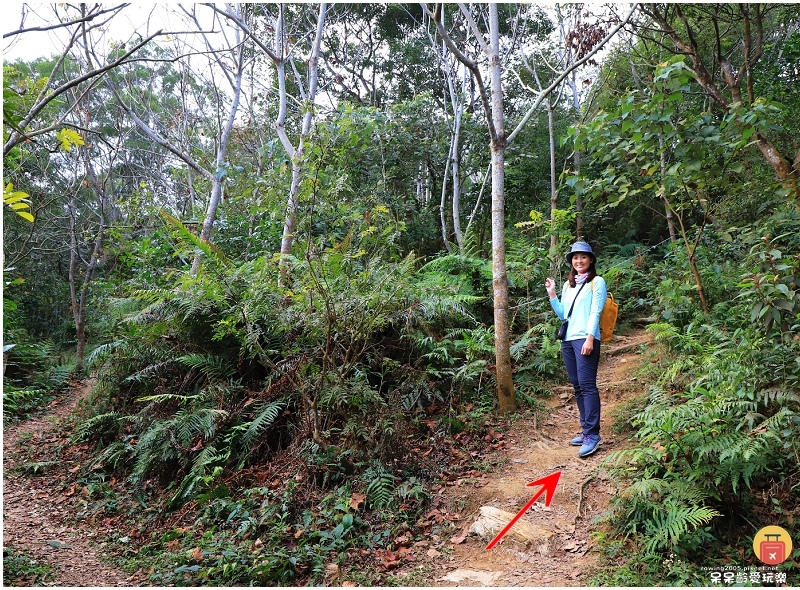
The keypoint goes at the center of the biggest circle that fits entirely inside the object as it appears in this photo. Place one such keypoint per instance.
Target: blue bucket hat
(583, 247)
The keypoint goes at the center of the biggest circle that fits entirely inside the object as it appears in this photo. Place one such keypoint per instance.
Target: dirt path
(36, 517)
(564, 558)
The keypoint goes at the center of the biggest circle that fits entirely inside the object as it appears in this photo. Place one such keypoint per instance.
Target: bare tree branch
(474, 26)
(560, 78)
(230, 15)
(87, 18)
(468, 62)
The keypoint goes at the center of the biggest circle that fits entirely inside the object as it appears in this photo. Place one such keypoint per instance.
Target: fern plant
(719, 422)
(381, 487)
(665, 514)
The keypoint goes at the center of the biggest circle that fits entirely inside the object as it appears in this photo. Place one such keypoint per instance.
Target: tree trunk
(667, 209)
(690, 250)
(77, 316)
(456, 172)
(576, 162)
(443, 203)
(100, 189)
(499, 141)
(79, 301)
(452, 167)
(222, 151)
(701, 292)
(478, 202)
(576, 156)
(214, 177)
(290, 223)
(297, 155)
(502, 337)
(553, 189)
(455, 166)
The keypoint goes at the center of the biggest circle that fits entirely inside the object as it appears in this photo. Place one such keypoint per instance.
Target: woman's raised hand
(550, 286)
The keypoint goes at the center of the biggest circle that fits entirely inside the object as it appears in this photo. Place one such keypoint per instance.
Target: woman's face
(581, 262)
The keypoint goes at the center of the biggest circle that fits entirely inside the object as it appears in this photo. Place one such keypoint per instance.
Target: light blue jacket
(585, 317)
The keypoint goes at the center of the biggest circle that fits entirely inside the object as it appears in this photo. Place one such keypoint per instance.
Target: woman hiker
(584, 294)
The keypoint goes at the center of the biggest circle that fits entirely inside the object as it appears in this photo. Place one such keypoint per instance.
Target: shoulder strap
(571, 307)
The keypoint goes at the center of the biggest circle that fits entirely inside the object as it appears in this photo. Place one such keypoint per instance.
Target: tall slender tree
(492, 101)
(282, 56)
(231, 60)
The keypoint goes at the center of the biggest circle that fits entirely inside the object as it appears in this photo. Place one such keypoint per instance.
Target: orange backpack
(608, 318)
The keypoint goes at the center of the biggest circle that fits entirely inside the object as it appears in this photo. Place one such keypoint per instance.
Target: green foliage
(20, 402)
(210, 366)
(33, 372)
(529, 263)
(773, 281)
(265, 416)
(211, 252)
(221, 558)
(231, 367)
(720, 424)
(381, 487)
(710, 441)
(20, 569)
(14, 89)
(537, 362)
(67, 138)
(317, 370)
(669, 515)
(625, 269)
(36, 467)
(655, 147)
(168, 440)
(649, 124)
(675, 295)
(268, 537)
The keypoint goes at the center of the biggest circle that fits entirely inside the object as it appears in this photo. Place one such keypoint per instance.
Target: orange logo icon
(772, 545)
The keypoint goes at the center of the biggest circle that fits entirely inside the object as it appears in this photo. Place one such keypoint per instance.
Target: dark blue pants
(582, 371)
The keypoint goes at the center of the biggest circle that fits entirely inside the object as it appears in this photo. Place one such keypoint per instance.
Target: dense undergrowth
(20, 569)
(717, 456)
(274, 421)
(286, 420)
(34, 373)
(285, 423)
(272, 424)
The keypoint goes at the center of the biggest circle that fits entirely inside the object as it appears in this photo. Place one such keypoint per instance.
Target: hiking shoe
(590, 444)
(577, 441)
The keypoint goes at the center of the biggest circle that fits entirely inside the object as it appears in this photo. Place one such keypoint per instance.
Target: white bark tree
(550, 105)
(231, 61)
(493, 106)
(282, 56)
(458, 98)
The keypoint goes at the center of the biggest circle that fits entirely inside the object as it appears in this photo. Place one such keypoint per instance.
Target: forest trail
(37, 518)
(531, 453)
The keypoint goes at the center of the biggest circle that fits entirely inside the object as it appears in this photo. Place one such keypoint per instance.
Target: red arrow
(548, 488)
